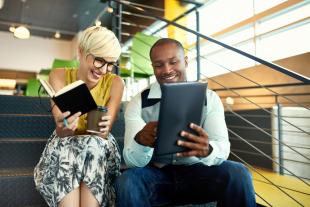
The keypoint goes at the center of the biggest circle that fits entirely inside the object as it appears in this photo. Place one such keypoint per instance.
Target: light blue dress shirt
(213, 121)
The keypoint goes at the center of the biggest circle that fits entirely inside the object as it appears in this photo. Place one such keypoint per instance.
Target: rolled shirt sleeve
(213, 121)
(215, 126)
(135, 155)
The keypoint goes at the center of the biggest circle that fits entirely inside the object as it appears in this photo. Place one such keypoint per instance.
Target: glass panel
(238, 36)
(231, 39)
(262, 5)
(216, 64)
(221, 14)
(283, 19)
(285, 44)
(192, 70)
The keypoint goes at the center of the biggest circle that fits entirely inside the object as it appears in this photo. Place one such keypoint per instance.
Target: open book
(74, 97)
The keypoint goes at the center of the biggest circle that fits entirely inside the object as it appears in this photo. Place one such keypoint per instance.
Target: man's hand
(147, 135)
(198, 144)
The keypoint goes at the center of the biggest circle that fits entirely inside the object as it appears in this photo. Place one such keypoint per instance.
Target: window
(262, 5)
(276, 36)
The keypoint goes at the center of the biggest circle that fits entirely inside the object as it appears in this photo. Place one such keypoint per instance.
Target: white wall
(74, 46)
(32, 54)
(295, 138)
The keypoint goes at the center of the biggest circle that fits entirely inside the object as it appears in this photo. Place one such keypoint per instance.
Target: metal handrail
(272, 183)
(268, 129)
(235, 93)
(261, 155)
(281, 186)
(257, 59)
(258, 127)
(285, 27)
(145, 6)
(265, 116)
(268, 95)
(258, 85)
(257, 105)
(269, 135)
(268, 143)
(176, 19)
(254, 125)
(261, 86)
(267, 86)
(297, 76)
(241, 97)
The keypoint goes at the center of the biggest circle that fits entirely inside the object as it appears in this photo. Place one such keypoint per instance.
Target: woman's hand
(104, 126)
(66, 126)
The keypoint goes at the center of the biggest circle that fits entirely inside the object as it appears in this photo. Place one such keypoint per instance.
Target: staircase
(25, 125)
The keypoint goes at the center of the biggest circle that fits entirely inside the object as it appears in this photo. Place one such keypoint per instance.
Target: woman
(77, 168)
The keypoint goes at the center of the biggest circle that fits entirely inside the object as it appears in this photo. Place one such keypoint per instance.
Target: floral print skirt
(66, 162)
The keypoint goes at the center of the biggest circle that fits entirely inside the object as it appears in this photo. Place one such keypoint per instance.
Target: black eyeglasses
(99, 62)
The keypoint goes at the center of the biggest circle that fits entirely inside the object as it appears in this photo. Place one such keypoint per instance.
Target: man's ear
(186, 61)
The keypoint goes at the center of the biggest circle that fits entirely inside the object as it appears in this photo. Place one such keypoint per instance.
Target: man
(197, 176)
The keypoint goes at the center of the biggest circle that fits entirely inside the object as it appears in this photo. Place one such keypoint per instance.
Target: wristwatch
(210, 150)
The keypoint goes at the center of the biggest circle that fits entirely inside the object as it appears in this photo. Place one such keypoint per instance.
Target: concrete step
(18, 189)
(13, 125)
(24, 105)
(20, 153)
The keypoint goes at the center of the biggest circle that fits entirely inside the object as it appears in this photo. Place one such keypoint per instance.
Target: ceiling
(45, 17)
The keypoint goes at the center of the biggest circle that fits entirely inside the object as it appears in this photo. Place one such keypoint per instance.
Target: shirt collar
(155, 91)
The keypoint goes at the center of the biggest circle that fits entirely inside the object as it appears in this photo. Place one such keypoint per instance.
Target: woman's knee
(97, 145)
(87, 199)
(72, 199)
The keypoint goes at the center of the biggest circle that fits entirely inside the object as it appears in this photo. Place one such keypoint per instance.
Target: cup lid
(102, 108)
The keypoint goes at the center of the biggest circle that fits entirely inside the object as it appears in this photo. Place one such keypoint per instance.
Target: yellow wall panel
(173, 9)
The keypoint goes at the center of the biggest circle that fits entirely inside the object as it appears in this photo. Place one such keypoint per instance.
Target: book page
(47, 86)
(69, 87)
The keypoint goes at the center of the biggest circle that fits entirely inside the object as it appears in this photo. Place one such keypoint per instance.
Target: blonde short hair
(100, 42)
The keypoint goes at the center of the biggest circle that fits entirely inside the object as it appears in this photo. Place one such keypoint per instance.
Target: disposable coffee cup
(94, 117)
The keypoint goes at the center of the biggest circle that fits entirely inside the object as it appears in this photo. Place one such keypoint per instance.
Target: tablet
(181, 104)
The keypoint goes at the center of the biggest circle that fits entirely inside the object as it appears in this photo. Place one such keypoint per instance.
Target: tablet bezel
(177, 110)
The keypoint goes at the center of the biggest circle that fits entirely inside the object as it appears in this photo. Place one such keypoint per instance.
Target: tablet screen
(181, 104)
